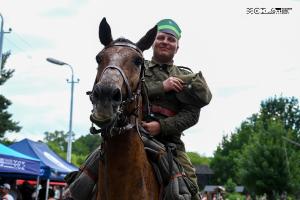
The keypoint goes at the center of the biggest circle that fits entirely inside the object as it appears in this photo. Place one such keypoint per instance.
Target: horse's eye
(138, 61)
(98, 59)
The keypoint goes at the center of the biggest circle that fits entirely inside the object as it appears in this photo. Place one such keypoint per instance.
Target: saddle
(168, 170)
(169, 173)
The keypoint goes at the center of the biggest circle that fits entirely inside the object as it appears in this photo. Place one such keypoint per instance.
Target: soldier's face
(165, 47)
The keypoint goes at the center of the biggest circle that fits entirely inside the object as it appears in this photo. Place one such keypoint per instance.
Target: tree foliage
(230, 186)
(283, 109)
(86, 144)
(267, 164)
(57, 141)
(6, 123)
(197, 159)
(256, 155)
(225, 162)
(81, 147)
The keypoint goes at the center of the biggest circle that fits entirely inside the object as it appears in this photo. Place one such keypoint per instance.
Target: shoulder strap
(185, 69)
(147, 63)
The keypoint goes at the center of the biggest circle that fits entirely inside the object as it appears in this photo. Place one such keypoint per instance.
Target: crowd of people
(26, 191)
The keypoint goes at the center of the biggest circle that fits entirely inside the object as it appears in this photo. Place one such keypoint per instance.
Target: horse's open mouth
(100, 120)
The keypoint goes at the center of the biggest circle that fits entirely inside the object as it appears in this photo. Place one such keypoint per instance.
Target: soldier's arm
(184, 119)
(155, 89)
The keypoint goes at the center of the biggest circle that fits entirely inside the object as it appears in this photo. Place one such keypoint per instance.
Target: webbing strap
(176, 176)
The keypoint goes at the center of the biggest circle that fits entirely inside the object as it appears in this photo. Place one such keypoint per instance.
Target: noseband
(121, 118)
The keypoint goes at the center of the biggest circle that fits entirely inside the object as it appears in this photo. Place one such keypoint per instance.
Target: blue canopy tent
(14, 163)
(53, 167)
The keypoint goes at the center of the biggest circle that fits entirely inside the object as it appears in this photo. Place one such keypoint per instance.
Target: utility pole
(1, 41)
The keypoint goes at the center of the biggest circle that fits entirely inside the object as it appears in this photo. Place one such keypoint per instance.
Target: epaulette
(147, 63)
(185, 69)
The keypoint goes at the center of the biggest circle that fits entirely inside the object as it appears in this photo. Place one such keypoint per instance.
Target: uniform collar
(154, 63)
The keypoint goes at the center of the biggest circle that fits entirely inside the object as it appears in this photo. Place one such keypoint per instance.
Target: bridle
(121, 122)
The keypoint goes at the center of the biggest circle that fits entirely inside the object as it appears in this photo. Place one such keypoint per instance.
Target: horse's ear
(105, 32)
(145, 42)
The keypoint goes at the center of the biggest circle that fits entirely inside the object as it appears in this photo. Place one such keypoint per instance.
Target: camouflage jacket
(187, 114)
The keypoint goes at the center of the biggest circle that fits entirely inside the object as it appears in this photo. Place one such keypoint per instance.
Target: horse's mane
(121, 39)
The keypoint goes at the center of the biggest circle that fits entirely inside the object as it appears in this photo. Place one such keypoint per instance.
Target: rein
(121, 118)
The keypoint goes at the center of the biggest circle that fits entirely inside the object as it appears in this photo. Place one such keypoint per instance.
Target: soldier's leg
(190, 171)
(82, 184)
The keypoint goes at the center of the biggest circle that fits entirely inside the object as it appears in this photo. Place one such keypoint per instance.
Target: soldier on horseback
(171, 112)
(172, 98)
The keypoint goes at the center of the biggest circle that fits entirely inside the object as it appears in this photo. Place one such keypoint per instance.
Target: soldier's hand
(173, 83)
(152, 127)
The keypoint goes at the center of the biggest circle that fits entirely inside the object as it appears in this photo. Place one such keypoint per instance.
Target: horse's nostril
(97, 92)
(116, 95)
(101, 92)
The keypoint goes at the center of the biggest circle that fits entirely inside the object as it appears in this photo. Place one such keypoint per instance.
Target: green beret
(169, 26)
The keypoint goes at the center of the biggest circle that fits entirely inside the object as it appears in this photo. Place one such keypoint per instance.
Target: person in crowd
(26, 190)
(42, 191)
(205, 196)
(14, 191)
(214, 197)
(51, 195)
(56, 192)
(4, 190)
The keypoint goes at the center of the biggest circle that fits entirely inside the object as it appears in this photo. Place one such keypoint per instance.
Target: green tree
(234, 196)
(268, 165)
(84, 145)
(81, 147)
(197, 159)
(284, 109)
(57, 141)
(226, 162)
(230, 186)
(6, 123)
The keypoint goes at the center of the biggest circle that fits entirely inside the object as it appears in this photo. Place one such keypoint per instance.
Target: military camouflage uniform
(186, 115)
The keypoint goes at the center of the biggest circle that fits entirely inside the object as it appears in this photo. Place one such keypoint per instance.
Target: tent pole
(37, 188)
(47, 189)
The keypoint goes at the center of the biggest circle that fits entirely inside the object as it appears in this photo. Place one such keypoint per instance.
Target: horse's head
(120, 66)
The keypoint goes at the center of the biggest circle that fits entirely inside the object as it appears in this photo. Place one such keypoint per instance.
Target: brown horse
(124, 171)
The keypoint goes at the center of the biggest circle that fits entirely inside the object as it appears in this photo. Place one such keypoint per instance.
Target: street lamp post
(58, 62)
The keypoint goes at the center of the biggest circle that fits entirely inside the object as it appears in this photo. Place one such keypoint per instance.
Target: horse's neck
(126, 173)
(125, 149)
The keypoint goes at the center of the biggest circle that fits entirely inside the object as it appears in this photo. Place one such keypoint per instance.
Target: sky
(245, 55)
